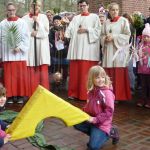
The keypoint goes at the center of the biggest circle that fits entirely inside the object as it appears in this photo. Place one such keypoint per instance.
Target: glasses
(11, 9)
(82, 6)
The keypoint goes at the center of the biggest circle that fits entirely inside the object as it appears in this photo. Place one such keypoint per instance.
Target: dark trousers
(97, 136)
(145, 84)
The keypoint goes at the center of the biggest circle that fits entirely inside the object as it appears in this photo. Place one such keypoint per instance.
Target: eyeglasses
(82, 6)
(11, 9)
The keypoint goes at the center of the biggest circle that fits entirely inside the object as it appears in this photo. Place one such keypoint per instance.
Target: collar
(85, 14)
(31, 15)
(13, 18)
(115, 19)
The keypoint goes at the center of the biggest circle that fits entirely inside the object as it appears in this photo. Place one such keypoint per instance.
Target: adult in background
(50, 15)
(84, 34)
(147, 20)
(102, 18)
(132, 62)
(59, 49)
(38, 73)
(115, 36)
(14, 45)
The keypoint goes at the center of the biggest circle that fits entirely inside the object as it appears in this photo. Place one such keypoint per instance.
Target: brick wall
(126, 6)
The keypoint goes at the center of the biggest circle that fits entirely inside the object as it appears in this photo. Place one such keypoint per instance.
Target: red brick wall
(128, 6)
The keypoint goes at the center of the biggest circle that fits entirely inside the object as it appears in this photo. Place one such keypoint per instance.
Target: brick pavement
(133, 123)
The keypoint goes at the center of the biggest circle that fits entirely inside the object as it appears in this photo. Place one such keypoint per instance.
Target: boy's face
(11, 11)
(57, 22)
(102, 19)
(2, 101)
(83, 7)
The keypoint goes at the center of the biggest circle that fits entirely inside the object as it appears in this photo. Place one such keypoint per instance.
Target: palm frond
(12, 36)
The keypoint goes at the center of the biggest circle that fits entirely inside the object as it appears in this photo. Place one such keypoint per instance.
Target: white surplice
(84, 46)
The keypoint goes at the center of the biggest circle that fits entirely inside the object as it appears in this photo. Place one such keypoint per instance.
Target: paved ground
(133, 123)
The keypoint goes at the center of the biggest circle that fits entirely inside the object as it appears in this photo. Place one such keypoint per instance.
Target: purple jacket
(143, 67)
(101, 106)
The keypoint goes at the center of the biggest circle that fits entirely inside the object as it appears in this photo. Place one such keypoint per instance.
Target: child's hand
(91, 119)
(7, 138)
(8, 126)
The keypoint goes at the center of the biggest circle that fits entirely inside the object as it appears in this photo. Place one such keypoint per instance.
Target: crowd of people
(104, 56)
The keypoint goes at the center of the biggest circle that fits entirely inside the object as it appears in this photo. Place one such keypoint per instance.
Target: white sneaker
(9, 101)
(71, 98)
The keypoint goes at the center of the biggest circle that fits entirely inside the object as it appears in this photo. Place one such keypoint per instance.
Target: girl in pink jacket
(144, 68)
(100, 106)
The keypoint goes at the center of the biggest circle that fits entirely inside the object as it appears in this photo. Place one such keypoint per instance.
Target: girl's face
(2, 101)
(146, 38)
(114, 11)
(99, 81)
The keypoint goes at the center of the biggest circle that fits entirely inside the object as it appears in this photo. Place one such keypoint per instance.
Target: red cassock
(37, 76)
(120, 82)
(78, 78)
(15, 78)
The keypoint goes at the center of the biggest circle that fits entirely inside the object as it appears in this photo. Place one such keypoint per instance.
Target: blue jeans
(97, 136)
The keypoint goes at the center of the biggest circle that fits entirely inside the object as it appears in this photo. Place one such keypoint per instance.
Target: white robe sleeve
(94, 33)
(43, 28)
(70, 29)
(122, 38)
(24, 44)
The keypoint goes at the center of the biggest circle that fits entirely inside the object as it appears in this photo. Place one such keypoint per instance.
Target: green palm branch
(12, 36)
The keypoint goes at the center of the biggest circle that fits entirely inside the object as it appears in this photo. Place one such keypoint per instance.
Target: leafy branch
(12, 36)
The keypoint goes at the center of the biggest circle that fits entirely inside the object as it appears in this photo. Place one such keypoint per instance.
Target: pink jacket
(2, 133)
(101, 106)
(143, 67)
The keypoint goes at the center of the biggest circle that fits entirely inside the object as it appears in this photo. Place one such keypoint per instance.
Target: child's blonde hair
(94, 72)
(2, 90)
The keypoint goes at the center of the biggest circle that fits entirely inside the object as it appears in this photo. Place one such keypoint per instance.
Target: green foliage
(138, 21)
(56, 10)
(12, 36)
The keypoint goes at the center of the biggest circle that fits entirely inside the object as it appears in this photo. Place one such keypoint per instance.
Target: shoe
(115, 141)
(114, 134)
(140, 103)
(9, 101)
(147, 105)
(71, 98)
(20, 100)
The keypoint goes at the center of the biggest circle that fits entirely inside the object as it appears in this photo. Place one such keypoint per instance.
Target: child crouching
(100, 106)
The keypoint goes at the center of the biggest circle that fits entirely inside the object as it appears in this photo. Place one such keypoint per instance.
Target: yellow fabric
(41, 105)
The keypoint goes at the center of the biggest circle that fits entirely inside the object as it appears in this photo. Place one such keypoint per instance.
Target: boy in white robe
(84, 34)
(14, 56)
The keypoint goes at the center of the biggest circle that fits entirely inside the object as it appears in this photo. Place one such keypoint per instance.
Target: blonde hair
(94, 72)
(50, 11)
(110, 6)
(10, 3)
